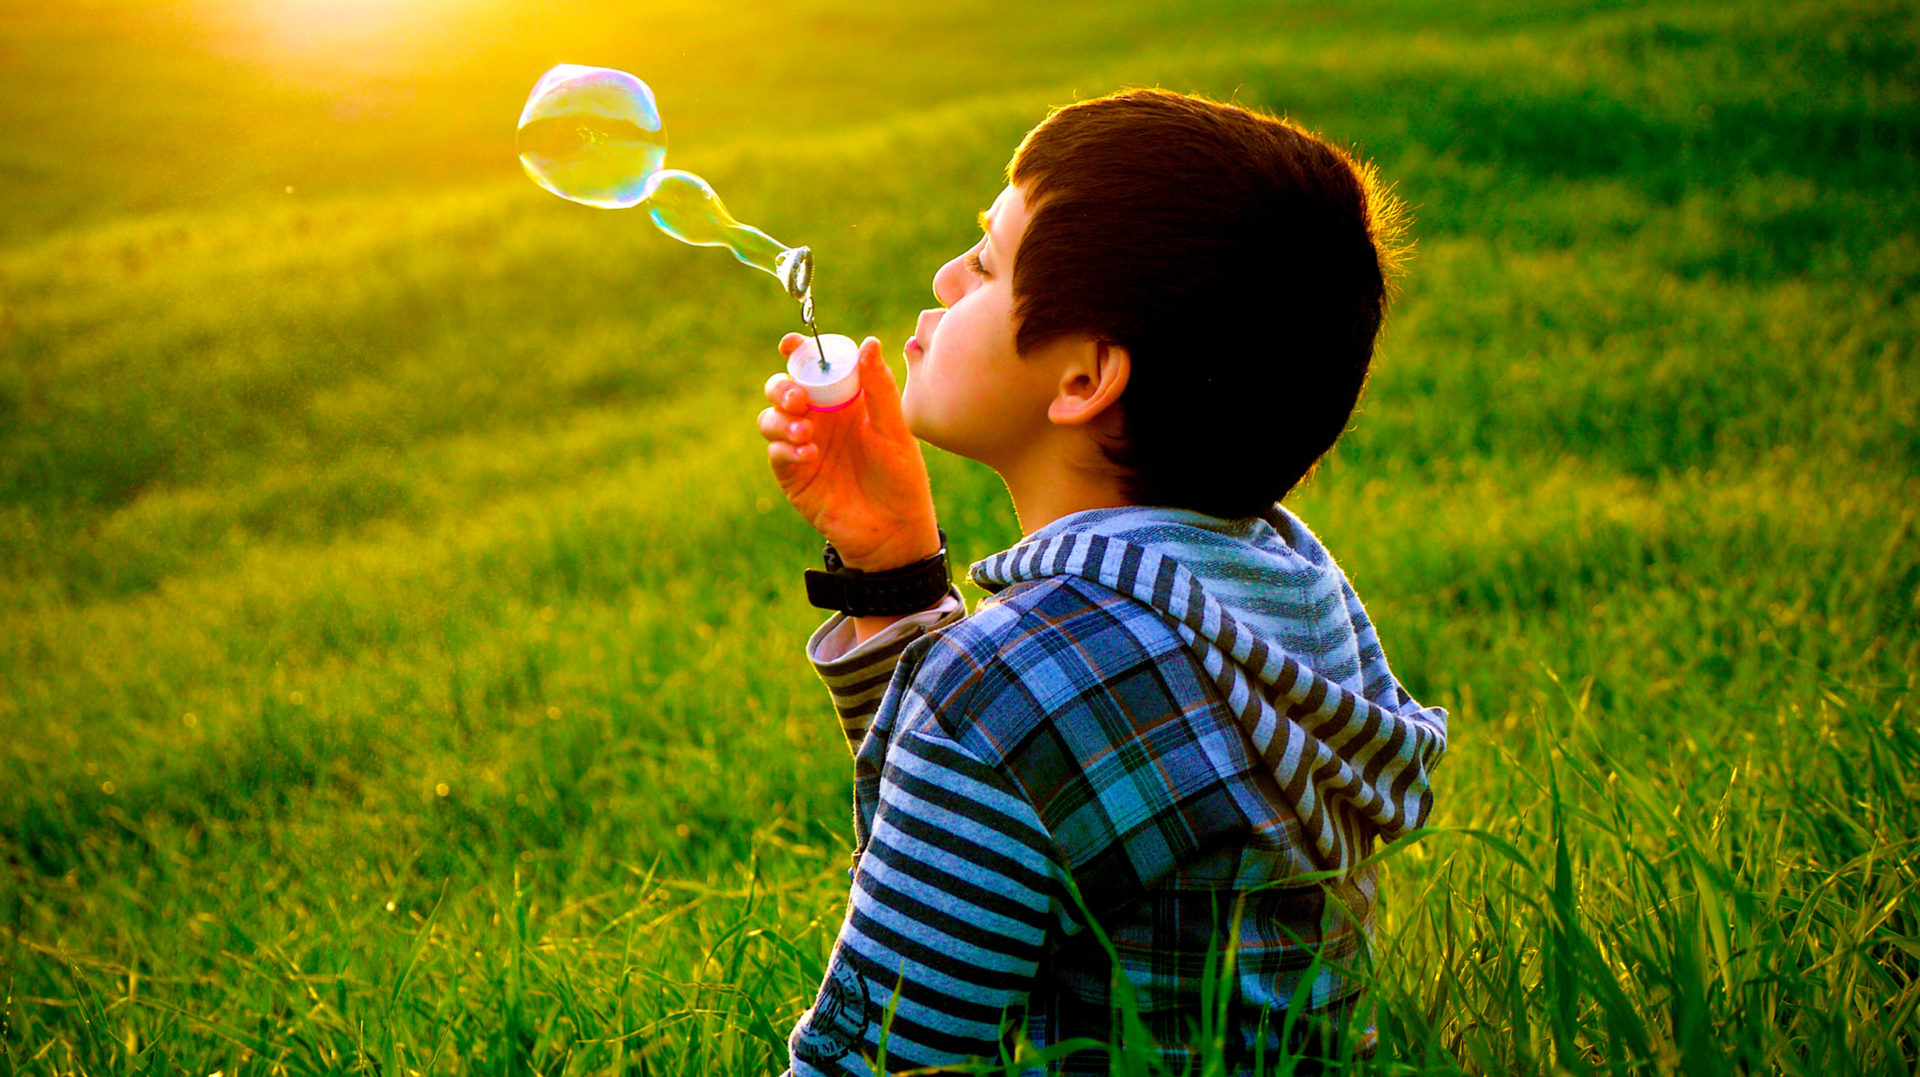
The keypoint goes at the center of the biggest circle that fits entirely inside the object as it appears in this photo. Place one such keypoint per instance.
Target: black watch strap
(907, 589)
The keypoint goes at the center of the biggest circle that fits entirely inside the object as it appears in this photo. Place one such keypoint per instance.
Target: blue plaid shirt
(1124, 764)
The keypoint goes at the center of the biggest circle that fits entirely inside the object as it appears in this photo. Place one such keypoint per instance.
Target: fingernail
(793, 431)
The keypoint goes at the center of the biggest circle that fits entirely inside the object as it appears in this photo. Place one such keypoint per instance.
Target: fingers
(777, 425)
(882, 393)
(788, 458)
(790, 444)
(782, 391)
(785, 425)
(786, 394)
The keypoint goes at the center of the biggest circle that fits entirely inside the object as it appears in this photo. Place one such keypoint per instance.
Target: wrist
(886, 593)
(914, 546)
(887, 561)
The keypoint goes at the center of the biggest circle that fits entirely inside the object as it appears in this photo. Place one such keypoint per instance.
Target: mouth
(923, 332)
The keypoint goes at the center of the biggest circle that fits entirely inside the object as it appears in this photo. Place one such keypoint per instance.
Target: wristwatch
(897, 591)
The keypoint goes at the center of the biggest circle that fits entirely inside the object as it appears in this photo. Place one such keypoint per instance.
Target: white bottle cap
(836, 384)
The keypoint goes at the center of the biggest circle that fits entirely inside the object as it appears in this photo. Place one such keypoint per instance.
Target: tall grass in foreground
(1600, 929)
(1610, 927)
(399, 640)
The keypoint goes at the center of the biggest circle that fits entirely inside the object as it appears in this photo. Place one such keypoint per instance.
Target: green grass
(400, 636)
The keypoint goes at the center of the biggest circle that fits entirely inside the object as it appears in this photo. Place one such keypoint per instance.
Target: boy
(1173, 708)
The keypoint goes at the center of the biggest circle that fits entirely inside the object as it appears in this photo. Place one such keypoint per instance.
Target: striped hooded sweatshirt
(1162, 737)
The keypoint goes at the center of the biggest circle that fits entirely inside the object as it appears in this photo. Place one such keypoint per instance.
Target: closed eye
(973, 263)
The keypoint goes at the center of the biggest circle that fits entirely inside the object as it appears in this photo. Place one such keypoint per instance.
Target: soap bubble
(592, 135)
(684, 206)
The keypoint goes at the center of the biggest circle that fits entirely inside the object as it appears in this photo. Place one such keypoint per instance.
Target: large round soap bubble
(592, 135)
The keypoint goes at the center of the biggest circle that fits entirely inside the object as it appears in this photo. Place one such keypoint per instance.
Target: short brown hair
(1241, 261)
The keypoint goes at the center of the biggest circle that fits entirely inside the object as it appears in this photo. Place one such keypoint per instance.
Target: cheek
(949, 333)
(975, 323)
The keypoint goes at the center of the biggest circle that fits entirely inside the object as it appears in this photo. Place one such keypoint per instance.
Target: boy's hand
(856, 474)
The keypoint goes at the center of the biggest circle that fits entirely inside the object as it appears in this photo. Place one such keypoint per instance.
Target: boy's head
(1239, 262)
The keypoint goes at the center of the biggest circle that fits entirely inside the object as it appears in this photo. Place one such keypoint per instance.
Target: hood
(1278, 628)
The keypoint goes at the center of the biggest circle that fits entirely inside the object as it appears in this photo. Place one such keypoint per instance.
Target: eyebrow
(986, 222)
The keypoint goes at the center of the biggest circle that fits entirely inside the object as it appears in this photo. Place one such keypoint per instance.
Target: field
(400, 636)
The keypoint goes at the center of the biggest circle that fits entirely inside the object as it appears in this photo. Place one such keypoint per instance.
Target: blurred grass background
(400, 640)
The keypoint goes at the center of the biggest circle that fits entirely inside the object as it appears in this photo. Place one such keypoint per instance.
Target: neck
(1047, 487)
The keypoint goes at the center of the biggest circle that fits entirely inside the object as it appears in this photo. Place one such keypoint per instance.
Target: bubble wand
(593, 135)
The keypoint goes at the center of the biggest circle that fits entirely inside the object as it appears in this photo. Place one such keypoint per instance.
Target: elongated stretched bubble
(592, 135)
(684, 206)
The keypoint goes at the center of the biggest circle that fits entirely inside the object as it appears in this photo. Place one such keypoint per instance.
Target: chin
(926, 435)
(927, 431)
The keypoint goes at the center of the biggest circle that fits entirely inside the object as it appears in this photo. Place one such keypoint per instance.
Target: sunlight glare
(305, 38)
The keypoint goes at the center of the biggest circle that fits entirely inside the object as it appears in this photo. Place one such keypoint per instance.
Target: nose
(950, 282)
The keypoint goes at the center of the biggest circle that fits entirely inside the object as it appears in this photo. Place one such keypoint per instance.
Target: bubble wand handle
(795, 269)
(830, 371)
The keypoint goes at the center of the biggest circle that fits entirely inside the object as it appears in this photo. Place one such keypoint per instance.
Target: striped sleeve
(951, 904)
(856, 676)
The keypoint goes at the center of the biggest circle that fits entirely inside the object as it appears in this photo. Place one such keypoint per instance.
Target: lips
(923, 330)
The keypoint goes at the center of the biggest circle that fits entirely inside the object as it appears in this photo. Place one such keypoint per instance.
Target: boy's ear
(1091, 382)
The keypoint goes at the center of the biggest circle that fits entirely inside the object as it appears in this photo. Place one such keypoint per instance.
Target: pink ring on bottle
(849, 402)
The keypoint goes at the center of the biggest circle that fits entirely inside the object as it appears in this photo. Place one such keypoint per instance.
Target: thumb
(883, 393)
